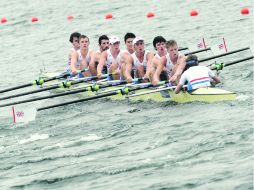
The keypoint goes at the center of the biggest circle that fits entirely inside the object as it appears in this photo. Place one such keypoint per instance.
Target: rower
(128, 39)
(159, 44)
(103, 46)
(74, 39)
(168, 63)
(81, 58)
(196, 76)
(109, 58)
(139, 62)
(126, 54)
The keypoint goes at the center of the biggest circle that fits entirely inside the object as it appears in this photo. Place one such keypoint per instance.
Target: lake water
(118, 145)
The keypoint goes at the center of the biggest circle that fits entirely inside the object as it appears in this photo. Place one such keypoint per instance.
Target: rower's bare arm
(216, 79)
(128, 66)
(97, 57)
(93, 57)
(70, 53)
(92, 65)
(150, 58)
(101, 63)
(179, 69)
(160, 64)
(178, 88)
(123, 58)
(74, 60)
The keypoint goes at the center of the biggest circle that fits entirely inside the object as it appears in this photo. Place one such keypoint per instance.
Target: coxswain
(196, 76)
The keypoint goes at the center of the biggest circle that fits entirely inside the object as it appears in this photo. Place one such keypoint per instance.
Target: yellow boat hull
(202, 95)
(208, 95)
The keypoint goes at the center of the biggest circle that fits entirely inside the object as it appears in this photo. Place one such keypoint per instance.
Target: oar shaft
(122, 91)
(44, 97)
(63, 75)
(31, 84)
(182, 48)
(57, 77)
(48, 88)
(16, 87)
(79, 100)
(30, 92)
(197, 51)
(238, 61)
(221, 55)
(213, 67)
(61, 94)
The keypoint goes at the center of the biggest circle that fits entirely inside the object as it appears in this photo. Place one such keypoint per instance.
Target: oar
(197, 51)
(219, 66)
(182, 48)
(29, 114)
(152, 91)
(92, 87)
(64, 84)
(123, 91)
(39, 81)
(223, 54)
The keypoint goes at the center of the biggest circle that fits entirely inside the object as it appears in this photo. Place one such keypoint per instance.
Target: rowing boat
(208, 94)
(116, 90)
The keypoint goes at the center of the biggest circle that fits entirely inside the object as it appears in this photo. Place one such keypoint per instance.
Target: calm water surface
(120, 145)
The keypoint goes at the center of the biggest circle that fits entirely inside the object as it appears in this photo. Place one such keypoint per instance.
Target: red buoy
(150, 14)
(245, 11)
(3, 20)
(70, 17)
(34, 19)
(109, 16)
(194, 13)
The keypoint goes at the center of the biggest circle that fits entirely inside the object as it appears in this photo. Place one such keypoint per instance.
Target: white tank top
(137, 62)
(158, 56)
(80, 59)
(110, 58)
(169, 64)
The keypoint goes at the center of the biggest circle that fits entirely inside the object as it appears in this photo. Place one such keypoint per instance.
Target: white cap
(114, 39)
(136, 40)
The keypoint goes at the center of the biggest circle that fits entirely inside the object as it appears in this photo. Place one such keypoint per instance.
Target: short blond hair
(170, 43)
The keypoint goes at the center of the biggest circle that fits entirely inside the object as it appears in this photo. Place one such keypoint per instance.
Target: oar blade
(21, 114)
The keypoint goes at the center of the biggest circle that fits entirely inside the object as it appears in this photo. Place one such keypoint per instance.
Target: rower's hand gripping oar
(39, 81)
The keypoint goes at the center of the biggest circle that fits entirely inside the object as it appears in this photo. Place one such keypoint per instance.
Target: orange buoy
(150, 14)
(34, 19)
(109, 16)
(194, 13)
(3, 20)
(70, 17)
(245, 11)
